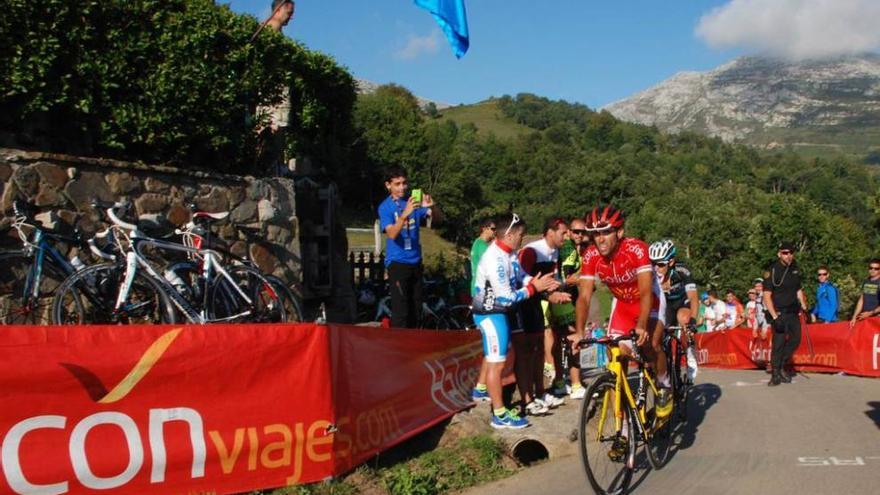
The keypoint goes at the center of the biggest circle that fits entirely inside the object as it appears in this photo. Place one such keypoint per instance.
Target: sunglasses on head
(512, 223)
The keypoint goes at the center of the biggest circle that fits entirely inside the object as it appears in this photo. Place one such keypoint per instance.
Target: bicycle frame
(38, 248)
(623, 390)
(135, 258)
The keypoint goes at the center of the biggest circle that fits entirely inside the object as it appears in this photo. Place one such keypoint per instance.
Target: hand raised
(410, 207)
(544, 282)
(559, 298)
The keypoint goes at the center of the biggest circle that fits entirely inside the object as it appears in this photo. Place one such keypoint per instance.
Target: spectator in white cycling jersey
(501, 284)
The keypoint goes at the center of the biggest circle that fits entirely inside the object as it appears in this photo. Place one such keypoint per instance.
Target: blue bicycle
(31, 275)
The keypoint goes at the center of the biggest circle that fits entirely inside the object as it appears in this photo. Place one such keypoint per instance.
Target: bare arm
(694, 301)
(646, 298)
(740, 318)
(802, 298)
(768, 303)
(393, 230)
(586, 286)
(858, 310)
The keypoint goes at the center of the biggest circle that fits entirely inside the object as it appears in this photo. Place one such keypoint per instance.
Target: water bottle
(601, 358)
(77, 263)
(172, 277)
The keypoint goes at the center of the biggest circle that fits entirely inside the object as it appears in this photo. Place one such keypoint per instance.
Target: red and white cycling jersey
(620, 273)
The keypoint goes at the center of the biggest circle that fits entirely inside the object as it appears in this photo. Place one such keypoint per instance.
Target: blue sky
(588, 51)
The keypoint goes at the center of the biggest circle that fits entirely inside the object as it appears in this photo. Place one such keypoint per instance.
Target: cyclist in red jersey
(623, 265)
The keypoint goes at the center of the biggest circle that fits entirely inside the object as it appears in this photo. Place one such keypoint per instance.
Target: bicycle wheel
(659, 430)
(89, 297)
(18, 308)
(682, 387)
(226, 303)
(462, 317)
(292, 308)
(430, 321)
(609, 474)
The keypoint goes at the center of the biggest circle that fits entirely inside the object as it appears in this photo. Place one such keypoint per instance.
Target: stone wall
(62, 188)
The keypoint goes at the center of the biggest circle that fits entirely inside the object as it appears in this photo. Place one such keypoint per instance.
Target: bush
(161, 81)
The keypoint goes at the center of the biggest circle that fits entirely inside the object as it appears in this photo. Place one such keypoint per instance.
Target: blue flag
(452, 18)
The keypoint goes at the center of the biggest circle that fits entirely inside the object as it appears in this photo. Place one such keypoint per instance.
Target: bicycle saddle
(205, 218)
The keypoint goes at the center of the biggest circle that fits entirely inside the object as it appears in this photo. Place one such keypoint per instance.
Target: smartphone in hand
(417, 196)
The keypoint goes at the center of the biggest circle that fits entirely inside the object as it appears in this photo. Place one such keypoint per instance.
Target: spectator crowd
(536, 318)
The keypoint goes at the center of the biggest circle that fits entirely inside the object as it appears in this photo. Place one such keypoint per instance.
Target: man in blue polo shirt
(399, 217)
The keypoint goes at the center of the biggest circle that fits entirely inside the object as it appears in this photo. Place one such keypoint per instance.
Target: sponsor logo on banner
(721, 359)
(703, 356)
(760, 350)
(452, 377)
(125, 438)
(826, 359)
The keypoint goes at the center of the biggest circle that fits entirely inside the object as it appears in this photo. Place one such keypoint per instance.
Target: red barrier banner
(393, 384)
(826, 347)
(220, 408)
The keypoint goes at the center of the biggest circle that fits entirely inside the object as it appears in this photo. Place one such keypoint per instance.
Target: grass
(487, 117)
(469, 462)
(440, 255)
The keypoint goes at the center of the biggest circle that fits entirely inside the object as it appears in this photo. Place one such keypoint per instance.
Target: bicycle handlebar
(609, 340)
(97, 251)
(111, 214)
(631, 336)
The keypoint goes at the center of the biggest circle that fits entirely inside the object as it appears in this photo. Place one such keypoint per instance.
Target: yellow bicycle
(614, 421)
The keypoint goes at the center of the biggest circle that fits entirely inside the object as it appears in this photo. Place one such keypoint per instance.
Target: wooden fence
(367, 265)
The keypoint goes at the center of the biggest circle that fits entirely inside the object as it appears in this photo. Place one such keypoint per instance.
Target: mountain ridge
(758, 100)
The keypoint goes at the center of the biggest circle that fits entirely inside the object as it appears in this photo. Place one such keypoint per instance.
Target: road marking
(835, 461)
(750, 384)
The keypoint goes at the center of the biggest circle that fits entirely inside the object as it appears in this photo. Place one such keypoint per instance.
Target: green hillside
(487, 117)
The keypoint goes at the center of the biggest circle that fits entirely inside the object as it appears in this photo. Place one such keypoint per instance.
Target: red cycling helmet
(604, 217)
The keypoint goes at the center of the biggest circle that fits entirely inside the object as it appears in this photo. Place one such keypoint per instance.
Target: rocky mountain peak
(744, 98)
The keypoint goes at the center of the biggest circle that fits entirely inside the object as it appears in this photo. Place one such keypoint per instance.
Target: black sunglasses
(661, 264)
(874, 268)
(784, 252)
(822, 274)
(579, 231)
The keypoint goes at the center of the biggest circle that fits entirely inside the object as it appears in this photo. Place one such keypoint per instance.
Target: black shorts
(532, 316)
(672, 311)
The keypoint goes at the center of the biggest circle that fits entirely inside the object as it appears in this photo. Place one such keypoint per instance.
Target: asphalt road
(818, 435)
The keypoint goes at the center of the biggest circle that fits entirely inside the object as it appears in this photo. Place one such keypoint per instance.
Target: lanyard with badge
(407, 236)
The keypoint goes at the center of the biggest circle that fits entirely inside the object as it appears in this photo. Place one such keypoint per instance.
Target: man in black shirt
(869, 299)
(783, 300)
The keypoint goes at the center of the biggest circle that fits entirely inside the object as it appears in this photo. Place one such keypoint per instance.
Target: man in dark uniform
(783, 300)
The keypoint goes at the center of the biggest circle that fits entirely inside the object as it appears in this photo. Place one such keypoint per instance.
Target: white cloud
(417, 46)
(794, 29)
